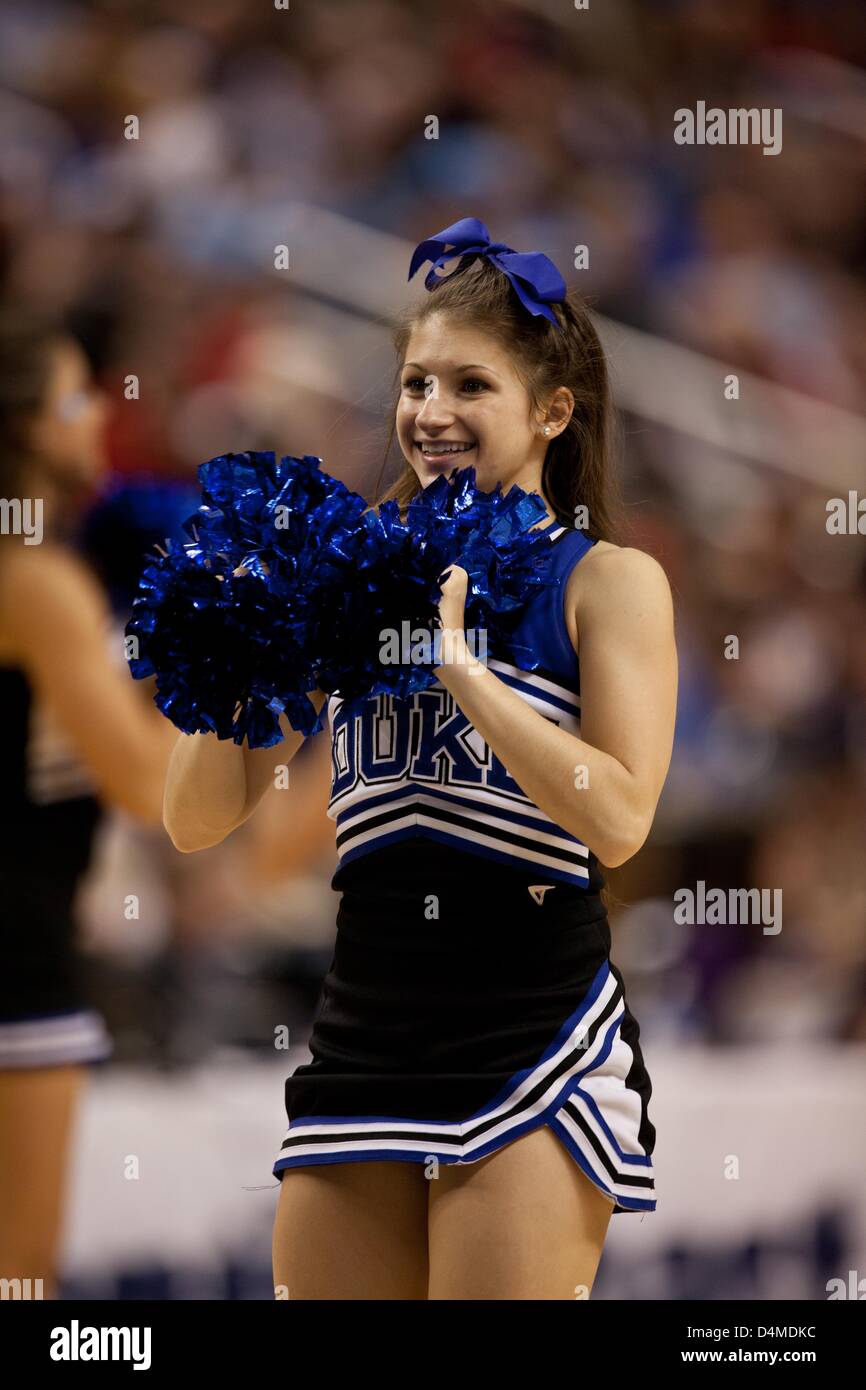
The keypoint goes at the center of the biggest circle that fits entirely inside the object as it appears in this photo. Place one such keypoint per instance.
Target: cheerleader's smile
(444, 451)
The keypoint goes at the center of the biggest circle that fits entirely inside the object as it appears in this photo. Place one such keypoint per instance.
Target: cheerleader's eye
(422, 384)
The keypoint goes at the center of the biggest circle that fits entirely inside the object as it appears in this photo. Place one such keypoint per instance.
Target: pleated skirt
(460, 1012)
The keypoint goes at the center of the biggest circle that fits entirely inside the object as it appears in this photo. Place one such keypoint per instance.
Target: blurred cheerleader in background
(76, 736)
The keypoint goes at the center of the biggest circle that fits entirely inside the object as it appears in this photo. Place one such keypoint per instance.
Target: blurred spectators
(555, 127)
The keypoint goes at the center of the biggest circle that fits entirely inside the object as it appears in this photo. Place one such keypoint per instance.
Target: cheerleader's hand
(452, 604)
(244, 569)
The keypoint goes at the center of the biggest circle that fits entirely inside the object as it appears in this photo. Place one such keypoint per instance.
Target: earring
(546, 429)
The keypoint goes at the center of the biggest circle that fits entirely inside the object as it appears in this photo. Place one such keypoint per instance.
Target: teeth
(445, 448)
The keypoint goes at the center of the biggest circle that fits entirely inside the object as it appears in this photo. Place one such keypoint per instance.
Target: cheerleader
(476, 1106)
(74, 736)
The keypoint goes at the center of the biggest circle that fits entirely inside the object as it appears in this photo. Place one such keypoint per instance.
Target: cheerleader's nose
(434, 413)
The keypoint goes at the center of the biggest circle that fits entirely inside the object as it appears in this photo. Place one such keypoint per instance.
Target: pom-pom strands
(289, 582)
(399, 570)
(232, 651)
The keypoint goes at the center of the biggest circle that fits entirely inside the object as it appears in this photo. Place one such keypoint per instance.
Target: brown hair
(27, 345)
(577, 467)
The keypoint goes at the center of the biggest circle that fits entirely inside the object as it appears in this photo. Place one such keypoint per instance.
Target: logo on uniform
(538, 890)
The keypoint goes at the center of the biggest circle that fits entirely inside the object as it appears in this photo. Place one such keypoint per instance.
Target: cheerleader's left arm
(603, 786)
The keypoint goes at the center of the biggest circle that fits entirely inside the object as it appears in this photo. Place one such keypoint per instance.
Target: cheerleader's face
(68, 434)
(462, 405)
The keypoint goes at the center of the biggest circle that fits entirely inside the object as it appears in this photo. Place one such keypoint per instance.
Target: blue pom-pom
(289, 581)
(400, 564)
(232, 651)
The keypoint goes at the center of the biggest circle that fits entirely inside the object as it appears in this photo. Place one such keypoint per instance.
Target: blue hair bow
(534, 277)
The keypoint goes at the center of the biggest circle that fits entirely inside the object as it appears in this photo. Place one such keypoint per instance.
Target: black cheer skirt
(460, 1011)
(46, 1017)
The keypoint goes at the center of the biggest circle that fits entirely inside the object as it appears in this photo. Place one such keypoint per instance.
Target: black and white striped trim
(486, 826)
(578, 1088)
(54, 1040)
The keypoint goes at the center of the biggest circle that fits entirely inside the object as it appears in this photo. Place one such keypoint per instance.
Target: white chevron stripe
(567, 1119)
(445, 804)
(620, 1186)
(620, 1107)
(418, 819)
(624, 1192)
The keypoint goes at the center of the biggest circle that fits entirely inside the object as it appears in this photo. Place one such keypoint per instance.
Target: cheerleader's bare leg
(354, 1230)
(37, 1111)
(524, 1223)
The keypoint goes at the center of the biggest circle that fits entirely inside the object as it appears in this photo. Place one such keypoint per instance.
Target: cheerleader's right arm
(213, 785)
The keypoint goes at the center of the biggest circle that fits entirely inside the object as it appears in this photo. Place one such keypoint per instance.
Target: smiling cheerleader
(476, 1104)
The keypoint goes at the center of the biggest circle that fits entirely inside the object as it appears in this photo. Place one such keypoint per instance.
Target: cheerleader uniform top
(414, 768)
